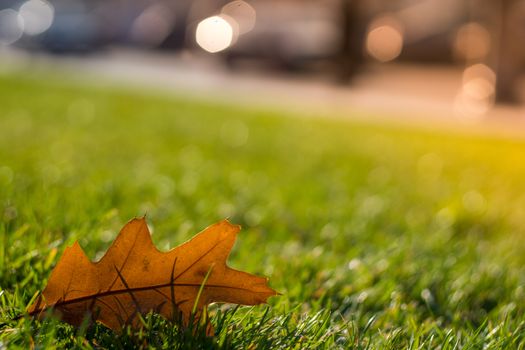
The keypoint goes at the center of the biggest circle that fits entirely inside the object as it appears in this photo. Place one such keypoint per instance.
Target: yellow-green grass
(376, 236)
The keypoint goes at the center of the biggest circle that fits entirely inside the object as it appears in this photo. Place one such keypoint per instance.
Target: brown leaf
(133, 277)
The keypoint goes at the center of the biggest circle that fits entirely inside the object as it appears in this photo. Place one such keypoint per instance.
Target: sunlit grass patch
(377, 236)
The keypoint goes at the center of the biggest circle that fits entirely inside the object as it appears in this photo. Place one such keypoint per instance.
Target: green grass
(376, 236)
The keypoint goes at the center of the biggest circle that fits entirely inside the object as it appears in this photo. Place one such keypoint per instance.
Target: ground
(377, 236)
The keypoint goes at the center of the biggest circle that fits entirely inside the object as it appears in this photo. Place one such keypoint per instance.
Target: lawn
(376, 236)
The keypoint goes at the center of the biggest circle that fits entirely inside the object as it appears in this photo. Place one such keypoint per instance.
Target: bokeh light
(243, 13)
(477, 94)
(472, 42)
(37, 15)
(384, 40)
(11, 27)
(214, 34)
(153, 25)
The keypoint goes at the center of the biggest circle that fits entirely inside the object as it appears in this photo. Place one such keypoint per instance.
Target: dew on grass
(254, 216)
(445, 218)
(371, 206)
(427, 296)
(106, 236)
(474, 202)
(99, 255)
(354, 264)
(457, 297)
(317, 252)
(362, 297)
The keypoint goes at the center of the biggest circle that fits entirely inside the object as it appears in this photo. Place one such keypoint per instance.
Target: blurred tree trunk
(351, 52)
(507, 51)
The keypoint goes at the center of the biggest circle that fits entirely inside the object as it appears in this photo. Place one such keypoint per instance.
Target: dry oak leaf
(134, 277)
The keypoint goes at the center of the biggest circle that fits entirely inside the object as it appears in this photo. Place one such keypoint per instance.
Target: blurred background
(196, 110)
(455, 59)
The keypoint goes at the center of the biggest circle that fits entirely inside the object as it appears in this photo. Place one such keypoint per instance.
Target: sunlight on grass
(375, 236)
